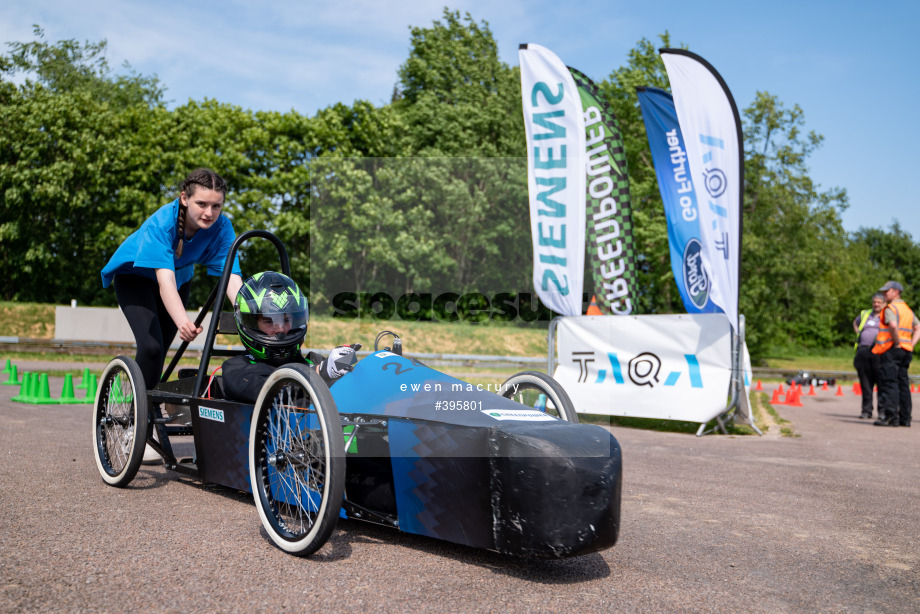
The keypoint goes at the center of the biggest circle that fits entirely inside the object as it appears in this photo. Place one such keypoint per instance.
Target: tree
(891, 254)
(457, 97)
(644, 68)
(71, 165)
(791, 292)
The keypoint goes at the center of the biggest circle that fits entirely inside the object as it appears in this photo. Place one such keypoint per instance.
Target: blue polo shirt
(153, 246)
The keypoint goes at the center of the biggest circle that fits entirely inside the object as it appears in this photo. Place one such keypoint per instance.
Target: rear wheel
(297, 460)
(540, 391)
(120, 421)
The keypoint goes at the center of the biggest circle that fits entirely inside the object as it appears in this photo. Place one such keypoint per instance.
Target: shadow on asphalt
(352, 533)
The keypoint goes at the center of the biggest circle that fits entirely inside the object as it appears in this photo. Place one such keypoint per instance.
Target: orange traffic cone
(839, 391)
(811, 391)
(857, 388)
(781, 391)
(593, 309)
(776, 400)
(824, 387)
(759, 386)
(794, 399)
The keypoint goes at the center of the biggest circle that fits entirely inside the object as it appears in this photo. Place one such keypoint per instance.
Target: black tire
(526, 388)
(120, 422)
(298, 492)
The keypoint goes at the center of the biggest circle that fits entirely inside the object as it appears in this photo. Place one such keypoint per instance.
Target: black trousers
(894, 402)
(154, 331)
(866, 364)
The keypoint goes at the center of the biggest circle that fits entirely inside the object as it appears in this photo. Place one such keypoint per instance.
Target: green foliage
(791, 293)
(72, 163)
(644, 68)
(457, 97)
(427, 193)
(892, 254)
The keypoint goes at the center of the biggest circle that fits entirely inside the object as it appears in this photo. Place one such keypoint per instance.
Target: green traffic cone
(23, 395)
(43, 391)
(14, 377)
(90, 389)
(84, 382)
(67, 395)
(28, 392)
(8, 367)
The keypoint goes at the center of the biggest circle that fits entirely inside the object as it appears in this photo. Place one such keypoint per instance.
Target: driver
(271, 315)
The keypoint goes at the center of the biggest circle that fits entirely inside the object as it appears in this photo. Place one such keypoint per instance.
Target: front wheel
(540, 391)
(297, 460)
(120, 422)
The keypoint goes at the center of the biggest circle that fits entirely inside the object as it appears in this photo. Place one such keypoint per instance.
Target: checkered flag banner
(609, 235)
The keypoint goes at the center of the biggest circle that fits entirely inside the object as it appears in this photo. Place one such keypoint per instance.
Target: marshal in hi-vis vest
(883, 340)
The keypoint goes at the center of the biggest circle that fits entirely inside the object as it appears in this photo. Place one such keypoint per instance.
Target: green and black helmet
(271, 315)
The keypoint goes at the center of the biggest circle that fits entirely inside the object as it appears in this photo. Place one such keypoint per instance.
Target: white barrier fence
(106, 324)
(675, 367)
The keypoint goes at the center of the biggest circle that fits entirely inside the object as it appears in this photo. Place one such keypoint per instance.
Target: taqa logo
(715, 182)
(695, 279)
(643, 369)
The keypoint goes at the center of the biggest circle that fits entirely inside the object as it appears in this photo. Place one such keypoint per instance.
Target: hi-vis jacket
(905, 325)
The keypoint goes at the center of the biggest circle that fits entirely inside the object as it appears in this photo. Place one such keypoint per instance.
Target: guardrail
(63, 346)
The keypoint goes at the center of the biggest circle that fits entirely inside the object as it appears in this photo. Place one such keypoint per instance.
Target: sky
(851, 67)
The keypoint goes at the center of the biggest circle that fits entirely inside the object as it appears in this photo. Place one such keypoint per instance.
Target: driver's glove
(341, 360)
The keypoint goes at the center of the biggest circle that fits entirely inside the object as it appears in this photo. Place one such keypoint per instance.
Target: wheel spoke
(297, 477)
(117, 422)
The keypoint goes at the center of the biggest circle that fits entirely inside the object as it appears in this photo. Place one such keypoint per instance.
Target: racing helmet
(271, 316)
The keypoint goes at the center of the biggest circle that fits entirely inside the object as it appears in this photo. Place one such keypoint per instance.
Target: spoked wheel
(297, 460)
(540, 391)
(120, 421)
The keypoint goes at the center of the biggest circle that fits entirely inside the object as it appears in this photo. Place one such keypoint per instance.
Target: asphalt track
(827, 521)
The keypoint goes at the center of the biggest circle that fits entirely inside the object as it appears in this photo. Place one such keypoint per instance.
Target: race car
(393, 442)
(804, 378)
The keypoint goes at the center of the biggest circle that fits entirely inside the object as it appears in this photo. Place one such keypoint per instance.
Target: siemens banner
(711, 125)
(554, 123)
(680, 206)
(674, 367)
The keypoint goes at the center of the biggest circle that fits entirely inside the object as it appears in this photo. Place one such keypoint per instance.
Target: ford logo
(695, 279)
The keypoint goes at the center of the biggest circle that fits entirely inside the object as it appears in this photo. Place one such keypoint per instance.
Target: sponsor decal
(527, 415)
(695, 279)
(211, 414)
(643, 369)
(384, 354)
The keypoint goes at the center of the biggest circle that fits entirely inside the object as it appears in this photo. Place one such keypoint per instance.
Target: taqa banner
(680, 206)
(553, 120)
(611, 245)
(674, 367)
(711, 128)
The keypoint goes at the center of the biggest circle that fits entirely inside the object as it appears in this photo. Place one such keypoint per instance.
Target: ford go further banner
(555, 130)
(711, 128)
(680, 206)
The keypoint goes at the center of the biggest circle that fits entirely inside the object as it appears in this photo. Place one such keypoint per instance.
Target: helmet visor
(275, 328)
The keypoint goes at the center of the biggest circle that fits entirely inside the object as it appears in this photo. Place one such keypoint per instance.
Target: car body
(393, 442)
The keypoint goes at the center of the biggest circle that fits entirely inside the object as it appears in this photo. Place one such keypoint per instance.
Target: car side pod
(555, 492)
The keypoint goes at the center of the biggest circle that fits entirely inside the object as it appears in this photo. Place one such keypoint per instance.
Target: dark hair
(200, 177)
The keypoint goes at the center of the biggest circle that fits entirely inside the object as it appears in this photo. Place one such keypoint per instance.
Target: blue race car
(393, 442)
